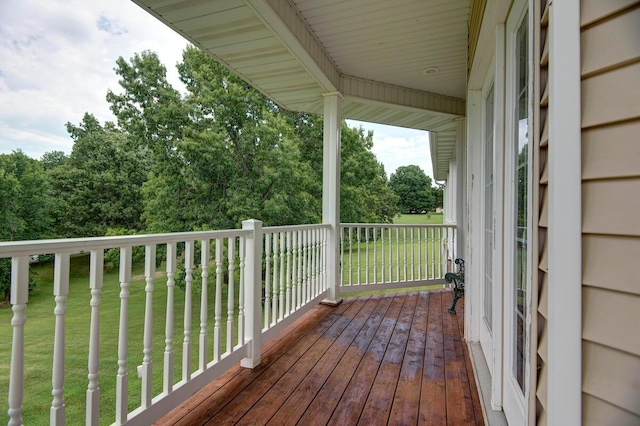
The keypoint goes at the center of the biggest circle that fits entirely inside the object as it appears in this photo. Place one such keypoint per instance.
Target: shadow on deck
(395, 359)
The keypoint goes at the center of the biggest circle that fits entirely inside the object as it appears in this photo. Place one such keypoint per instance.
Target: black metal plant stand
(458, 283)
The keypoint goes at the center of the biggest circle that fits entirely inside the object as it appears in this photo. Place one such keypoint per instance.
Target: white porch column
(461, 181)
(331, 191)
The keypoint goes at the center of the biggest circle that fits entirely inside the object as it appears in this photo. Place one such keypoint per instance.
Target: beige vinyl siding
(610, 65)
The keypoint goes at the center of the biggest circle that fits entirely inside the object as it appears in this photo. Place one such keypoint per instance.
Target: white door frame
(515, 403)
(487, 330)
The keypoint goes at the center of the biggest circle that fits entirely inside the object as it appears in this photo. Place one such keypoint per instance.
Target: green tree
(224, 155)
(364, 192)
(99, 185)
(24, 207)
(413, 188)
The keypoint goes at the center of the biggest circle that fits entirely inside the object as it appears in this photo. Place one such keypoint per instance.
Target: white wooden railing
(384, 256)
(271, 276)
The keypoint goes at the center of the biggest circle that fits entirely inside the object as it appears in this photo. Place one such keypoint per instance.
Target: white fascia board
(286, 24)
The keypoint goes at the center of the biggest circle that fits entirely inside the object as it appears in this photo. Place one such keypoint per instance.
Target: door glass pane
(488, 211)
(521, 207)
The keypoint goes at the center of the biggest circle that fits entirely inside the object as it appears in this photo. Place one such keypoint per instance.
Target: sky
(56, 63)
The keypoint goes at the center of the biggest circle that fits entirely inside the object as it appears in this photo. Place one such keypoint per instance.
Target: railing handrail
(34, 247)
(296, 227)
(395, 225)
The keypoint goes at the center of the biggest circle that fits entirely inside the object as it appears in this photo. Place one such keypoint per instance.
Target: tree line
(208, 159)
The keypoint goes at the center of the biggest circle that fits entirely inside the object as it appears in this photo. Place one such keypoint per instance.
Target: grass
(418, 219)
(39, 340)
(416, 259)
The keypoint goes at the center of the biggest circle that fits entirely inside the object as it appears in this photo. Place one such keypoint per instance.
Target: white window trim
(498, 201)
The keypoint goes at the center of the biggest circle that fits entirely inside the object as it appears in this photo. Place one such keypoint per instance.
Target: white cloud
(56, 63)
(57, 60)
(398, 146)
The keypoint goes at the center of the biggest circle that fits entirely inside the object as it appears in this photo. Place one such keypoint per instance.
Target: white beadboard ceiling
(372, 51)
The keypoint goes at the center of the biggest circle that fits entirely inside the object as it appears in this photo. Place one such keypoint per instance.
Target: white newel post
(253, 293)
(331, 191)
(19, 296)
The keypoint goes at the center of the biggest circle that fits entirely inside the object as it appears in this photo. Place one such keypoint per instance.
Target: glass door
(518, 218)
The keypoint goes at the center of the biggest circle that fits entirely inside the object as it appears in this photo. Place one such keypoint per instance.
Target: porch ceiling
(372, 51)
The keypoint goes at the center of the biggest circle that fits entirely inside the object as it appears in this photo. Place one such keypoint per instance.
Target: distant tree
(24, 198)
(99, 185)
(24, 207)
(438, 191)
(413, 188)
(364, 192)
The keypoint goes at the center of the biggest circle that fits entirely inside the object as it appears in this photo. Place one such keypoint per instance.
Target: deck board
(384, 359)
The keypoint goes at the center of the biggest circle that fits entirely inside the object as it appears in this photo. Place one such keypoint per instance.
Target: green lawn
(418, 219)
(415, 253)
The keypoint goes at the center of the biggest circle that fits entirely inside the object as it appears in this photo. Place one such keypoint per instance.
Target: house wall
(610, 68)
(610, 121)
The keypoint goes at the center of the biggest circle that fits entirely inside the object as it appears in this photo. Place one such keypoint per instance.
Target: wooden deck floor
(395, 359)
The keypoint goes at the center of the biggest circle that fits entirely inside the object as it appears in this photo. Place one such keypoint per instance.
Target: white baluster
(305, 265)
(433, 252)
(188, 309)
(309, 252)
(241, 284)
(283, 311)
(341, 230)
(267, 281)
(419, 253)
(398, 254)
(404, 244)
(122, 379)
(350, 256)
(359, 256)
(295, 273)
(277, 305)
(375, 255)
(301, 290)
(147, 366)
(325, 284)
(217, 344)
(168, 340)
(366, 263)
(312, 258)
(230, 293)
(60, 291)
(382, 251)
(317, 255)
(440, 240)
(204, 305)
(19, 297)
(391, 254)
(287, 236)
(93, 389)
